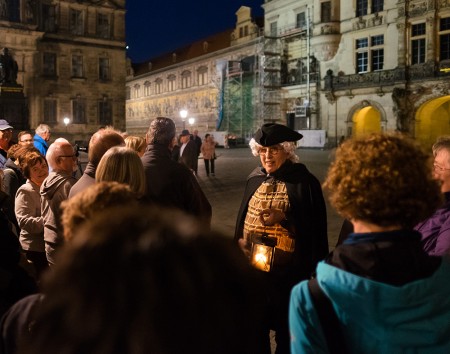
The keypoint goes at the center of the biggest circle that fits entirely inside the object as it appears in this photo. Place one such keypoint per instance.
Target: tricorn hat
(271, 134)
(185, 132)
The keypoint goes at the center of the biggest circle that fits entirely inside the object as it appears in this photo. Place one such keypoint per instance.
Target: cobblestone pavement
(226, 188)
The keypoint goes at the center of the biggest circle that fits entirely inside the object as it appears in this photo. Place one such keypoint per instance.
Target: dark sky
(155, 27)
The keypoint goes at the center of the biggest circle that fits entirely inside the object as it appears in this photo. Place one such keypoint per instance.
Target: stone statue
(8, 67)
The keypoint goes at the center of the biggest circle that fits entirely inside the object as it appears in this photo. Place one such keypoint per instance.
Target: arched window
(158, 86)
(171, 82)
(137, 91)
(202, 75)
(147, 88)
(186, 79)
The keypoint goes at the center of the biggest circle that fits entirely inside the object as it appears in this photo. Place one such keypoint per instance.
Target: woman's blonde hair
(135, 143)
(383, 179)
(123, 165)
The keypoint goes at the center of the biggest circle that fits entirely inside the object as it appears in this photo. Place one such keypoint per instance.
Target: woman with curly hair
(384, 292)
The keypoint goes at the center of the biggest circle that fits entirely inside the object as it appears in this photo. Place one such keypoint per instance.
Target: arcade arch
(432, 120)
(365, 118)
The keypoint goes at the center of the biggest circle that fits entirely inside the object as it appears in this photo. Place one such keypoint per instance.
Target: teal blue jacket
(375, 317)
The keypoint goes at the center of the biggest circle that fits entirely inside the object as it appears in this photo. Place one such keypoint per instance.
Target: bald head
(101, 142)
(61, 156)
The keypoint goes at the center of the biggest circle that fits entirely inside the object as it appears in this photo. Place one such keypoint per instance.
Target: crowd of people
(125, 259)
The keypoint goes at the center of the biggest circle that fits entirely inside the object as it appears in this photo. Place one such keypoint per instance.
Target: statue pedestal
(13, 106)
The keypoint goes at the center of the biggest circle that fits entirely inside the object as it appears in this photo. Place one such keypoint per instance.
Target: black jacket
(307, 219)
(171, 184)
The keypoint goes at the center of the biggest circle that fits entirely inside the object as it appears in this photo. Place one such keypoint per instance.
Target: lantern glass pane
(262, 257)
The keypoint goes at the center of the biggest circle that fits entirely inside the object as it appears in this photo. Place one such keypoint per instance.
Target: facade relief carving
(443, 3)
(195, 103)
(405, 104)
(418, 10)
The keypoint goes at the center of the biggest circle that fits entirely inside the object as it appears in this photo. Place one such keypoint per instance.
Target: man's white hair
(42, 128)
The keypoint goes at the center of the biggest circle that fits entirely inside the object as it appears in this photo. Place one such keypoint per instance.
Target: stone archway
(365, 118)
(432, 120)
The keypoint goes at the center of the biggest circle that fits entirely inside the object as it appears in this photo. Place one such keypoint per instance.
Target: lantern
(261, 256)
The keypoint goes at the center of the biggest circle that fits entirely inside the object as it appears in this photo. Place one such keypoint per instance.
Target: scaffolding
(270, 80)
(250, 89)
(238, 110)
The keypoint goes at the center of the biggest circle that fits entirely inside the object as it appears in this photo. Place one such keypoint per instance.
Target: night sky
(155, 27)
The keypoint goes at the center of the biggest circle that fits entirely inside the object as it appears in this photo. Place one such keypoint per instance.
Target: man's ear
(146, 138)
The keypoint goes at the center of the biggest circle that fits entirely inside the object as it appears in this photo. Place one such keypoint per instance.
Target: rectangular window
(377, 40)
(49, 111)
(444, 39)
(377, 59)
(444, 47)
(105, 112)
(444, 24)
(76, 22)
(369, 57)
(273, 29)
(48, 18)
(49, 67)
(418, 51)
(77, 66)
(362, 43)
(362, 61)
(300, 20)
(79, 110)
(325, 11)
(418, 41)
(377, 5)
(418, 29)
(361, 7)
(103, 69)
(103, 27)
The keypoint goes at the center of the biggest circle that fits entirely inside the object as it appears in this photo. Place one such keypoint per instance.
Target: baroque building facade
(332, 69)
(71, 63)
(212, 79)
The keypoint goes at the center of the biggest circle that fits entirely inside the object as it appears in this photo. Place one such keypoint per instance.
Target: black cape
(307, 219)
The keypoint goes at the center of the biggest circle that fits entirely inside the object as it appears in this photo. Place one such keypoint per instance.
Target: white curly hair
(288, 146)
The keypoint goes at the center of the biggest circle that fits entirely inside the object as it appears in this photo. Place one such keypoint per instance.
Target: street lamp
(183, 115)
(191, 121)
(66, 121)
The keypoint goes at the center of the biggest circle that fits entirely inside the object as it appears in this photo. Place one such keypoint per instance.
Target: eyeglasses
(26, 140)
(439, 168)
(271, 150)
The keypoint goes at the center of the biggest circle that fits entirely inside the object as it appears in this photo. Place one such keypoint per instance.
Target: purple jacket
(436, 230)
